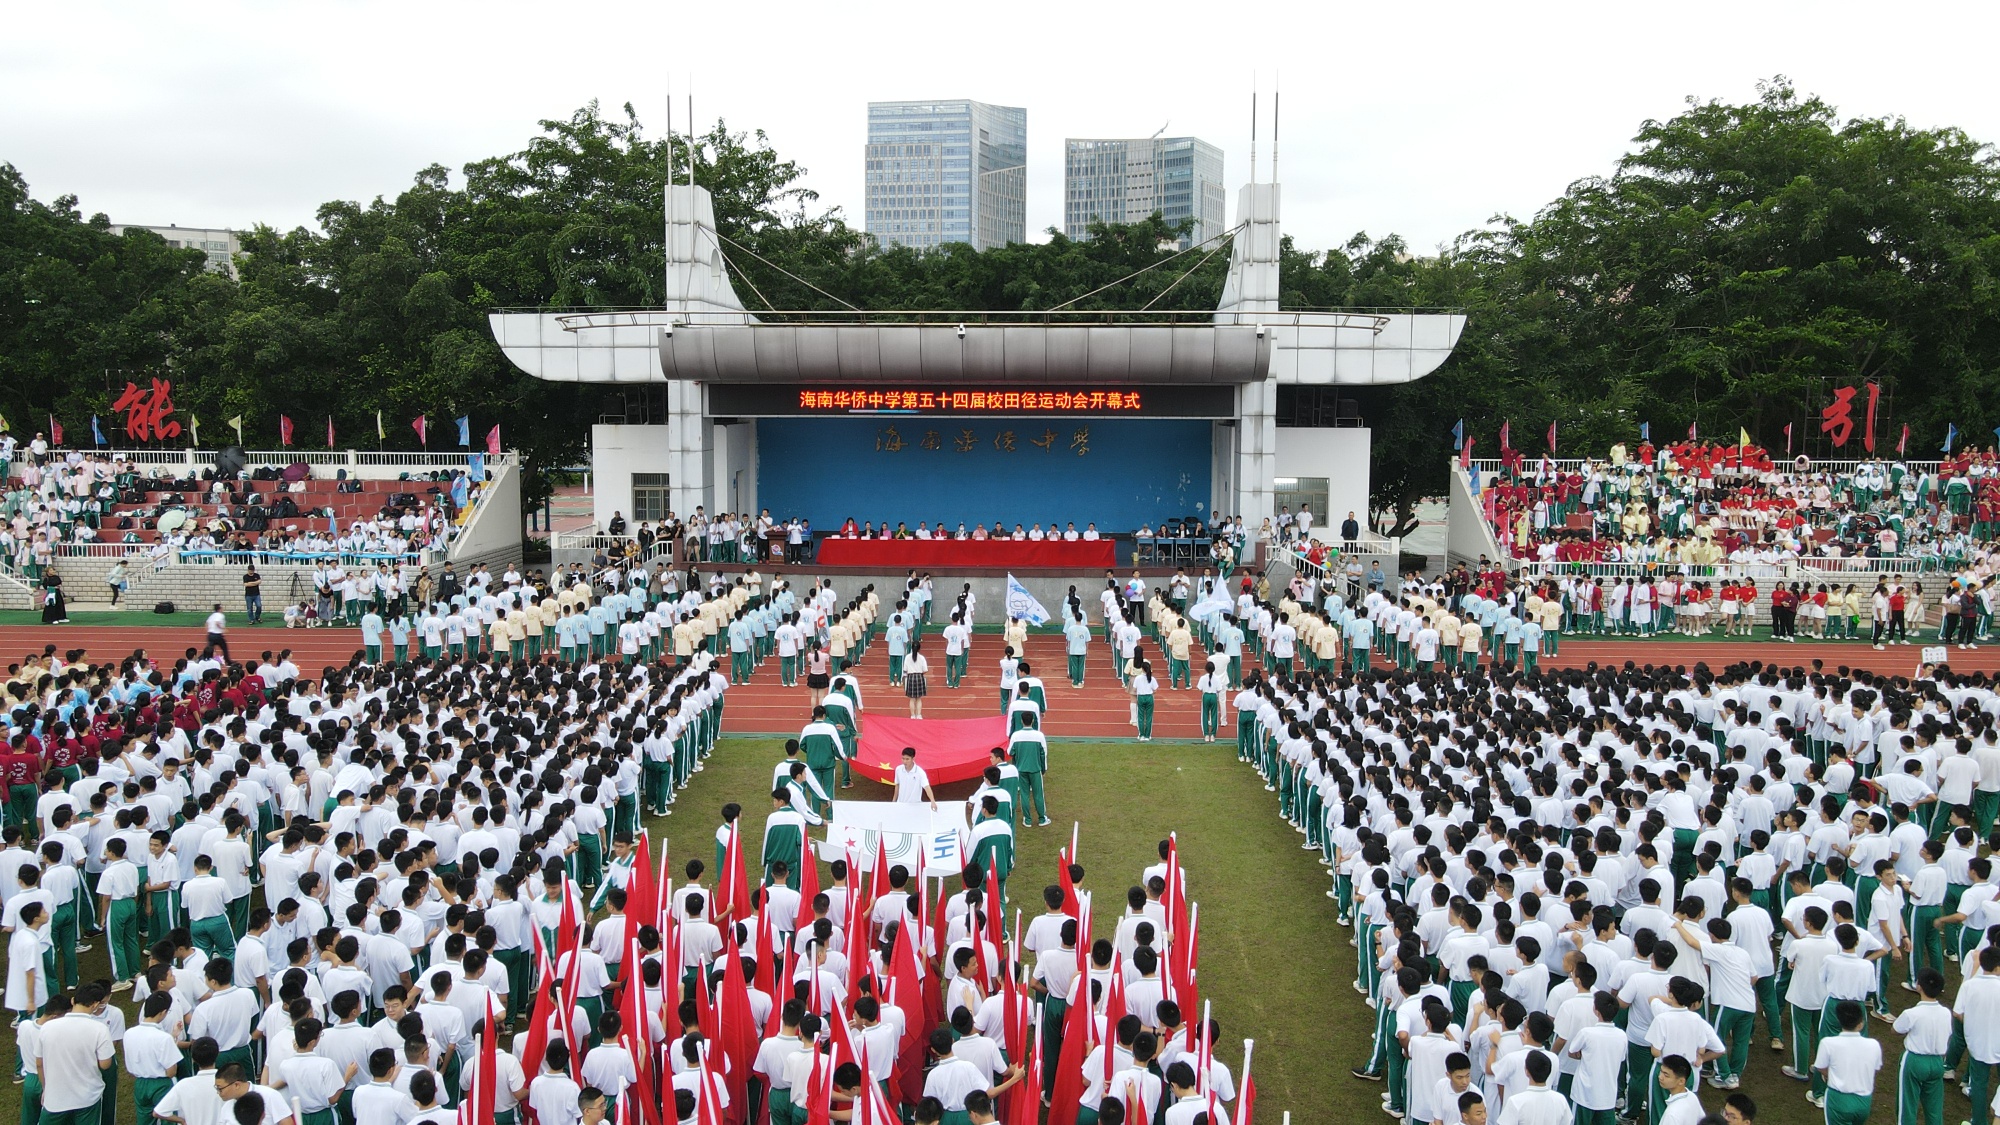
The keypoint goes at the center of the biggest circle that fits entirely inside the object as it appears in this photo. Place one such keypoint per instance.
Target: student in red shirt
(20, 765)
(1898, 603)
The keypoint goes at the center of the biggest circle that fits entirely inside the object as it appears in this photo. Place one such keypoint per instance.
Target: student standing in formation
(1143, 687)
(1029, 748)
(1076, 643)
(915, 668)
(1214, 688)
(957, 652)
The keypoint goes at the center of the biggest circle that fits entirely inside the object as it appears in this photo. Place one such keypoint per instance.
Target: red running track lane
(1099, 710)
(312, 649)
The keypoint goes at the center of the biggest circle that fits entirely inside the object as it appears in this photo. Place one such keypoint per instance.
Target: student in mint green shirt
(371, 635)
(1076, 641)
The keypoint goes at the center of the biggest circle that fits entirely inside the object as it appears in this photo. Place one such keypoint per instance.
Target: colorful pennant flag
(236, 424)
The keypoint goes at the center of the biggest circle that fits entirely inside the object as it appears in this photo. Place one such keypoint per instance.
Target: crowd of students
(1591, 893)
(330, 897)
(1702, 505)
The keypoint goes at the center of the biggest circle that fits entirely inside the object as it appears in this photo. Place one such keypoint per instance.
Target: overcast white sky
(1422, 120)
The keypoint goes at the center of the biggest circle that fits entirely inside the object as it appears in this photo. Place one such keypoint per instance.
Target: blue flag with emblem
(1022, 604)
(1645, 431)
(1458, 434)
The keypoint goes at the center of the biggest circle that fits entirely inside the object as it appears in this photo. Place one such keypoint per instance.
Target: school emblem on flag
(1024, 605)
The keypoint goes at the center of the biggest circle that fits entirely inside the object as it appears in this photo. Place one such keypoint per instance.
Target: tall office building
(1123, 181)
(947, 171)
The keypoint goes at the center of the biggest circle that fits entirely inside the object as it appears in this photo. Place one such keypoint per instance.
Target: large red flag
(55, 431)
(542, 1014)
(906, 991)
(808, 880)
(284, 430)
(767, 970)
(737, 1029)
(819, 1092)
(1552, 437)
(493, 442)
(422, 425)
(642, 894)
(1068, 1093)
(1063, 862)
(733, 885)
(1465, 453)
(479, 1108)
(1027, 1108)
(634, 1032)
(1868, 434)
(1506, 441)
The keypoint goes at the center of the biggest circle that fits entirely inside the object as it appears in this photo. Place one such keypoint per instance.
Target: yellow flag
(194, 426)
(1743, 438)
(3, 424)
(380, 433)
(236, 424)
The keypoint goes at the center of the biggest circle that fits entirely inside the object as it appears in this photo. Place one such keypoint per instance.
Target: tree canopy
(1734, 267)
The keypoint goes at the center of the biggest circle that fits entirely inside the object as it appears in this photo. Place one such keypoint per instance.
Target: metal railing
(1809, 570)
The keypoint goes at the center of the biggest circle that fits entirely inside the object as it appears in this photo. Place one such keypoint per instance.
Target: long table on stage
(903, 554)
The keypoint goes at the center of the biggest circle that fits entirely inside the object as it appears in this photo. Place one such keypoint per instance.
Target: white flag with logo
(1022, 604)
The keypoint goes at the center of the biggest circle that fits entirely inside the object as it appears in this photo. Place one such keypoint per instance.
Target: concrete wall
(735, 474)
(1340, 454)
(1467, 537)
(616, 452)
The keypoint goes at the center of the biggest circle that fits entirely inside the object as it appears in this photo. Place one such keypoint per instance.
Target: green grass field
(1273, 962)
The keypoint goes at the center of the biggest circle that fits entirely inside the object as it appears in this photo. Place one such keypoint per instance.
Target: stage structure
(1120, 419)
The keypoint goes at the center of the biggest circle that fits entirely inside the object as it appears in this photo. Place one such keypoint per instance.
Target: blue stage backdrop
(1121, 473)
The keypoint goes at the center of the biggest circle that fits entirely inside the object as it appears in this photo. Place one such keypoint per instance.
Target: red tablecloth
(948, 749)
(902, 554)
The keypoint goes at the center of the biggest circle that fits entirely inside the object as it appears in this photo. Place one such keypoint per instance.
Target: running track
(1099, 710)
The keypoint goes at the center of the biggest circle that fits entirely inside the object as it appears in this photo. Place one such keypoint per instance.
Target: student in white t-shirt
(912, 783)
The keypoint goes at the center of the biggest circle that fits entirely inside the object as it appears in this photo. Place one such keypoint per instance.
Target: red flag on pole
(329, 431)
(1246, 1098)
(493, 441)
(1552, 437)
(422, 425)
(1693, 431)
(1788, 439)
(1868, 433)
(732, 891)
(635, 1033)
(55, 431)
(1901, 443)
(642, 902)
(808, 877)
(479, 1108)
(284, 430)
(1063, 862)
(1067, 1096)
(1465, 454)
(1506, 441)
(542, 1014)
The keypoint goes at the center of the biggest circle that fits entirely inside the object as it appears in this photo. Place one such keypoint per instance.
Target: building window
(1291, 492)
(649, 497)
